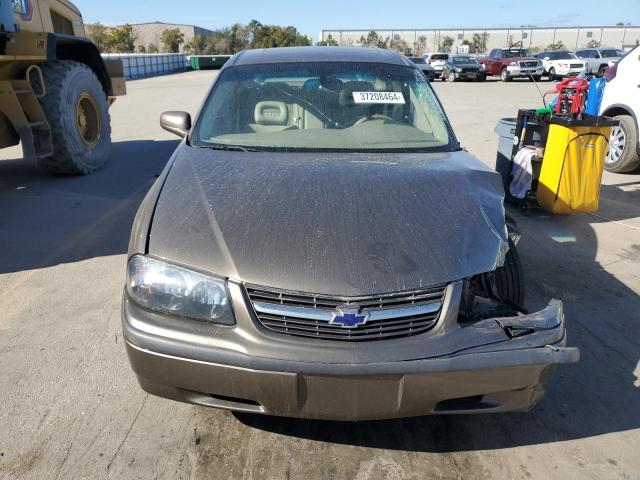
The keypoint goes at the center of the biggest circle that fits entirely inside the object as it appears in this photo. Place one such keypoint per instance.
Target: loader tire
(76, 108)
(510, 278)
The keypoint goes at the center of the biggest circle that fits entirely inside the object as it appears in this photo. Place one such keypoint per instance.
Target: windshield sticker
(378, 97)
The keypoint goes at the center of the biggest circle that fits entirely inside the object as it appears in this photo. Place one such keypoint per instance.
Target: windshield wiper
(230, 148)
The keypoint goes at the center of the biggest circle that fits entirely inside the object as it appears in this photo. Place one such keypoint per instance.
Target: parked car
(621, 100)
(561, 64)
(510, 63)
(436, 60)
(424, 67)
(285, 262)
(599, 59)
(463, 67)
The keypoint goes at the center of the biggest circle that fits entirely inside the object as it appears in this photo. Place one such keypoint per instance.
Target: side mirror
(178, 123)
(546, 58)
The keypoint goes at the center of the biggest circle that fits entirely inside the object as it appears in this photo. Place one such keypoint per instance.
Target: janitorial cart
(553, 157)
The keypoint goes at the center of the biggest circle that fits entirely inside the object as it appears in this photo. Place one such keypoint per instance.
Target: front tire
(621, 155)
(76, 108)
(481, 77)
(510, 278)
(504, 75)
(452, 77)
(552, 74)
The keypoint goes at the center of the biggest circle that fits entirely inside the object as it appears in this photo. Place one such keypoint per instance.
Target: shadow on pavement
(596, 396)
(46, 220)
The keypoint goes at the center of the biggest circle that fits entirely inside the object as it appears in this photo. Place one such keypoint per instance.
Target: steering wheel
(377, 116)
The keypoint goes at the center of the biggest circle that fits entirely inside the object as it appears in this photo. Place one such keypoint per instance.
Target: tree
(199, 45)
(420, 45)
(269, 36)
(398, 45)
(97, 33)
(559, 45)
(620, 24)
(593, 44)
(479, 42)
(171, 40)
(329, 42)
(152, 48)
(120, 40)
(142, 49)
(374, 40)
(446, 44)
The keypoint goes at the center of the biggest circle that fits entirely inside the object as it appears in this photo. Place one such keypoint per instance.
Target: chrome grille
(529, 64)
(387, 316)
(576, 65)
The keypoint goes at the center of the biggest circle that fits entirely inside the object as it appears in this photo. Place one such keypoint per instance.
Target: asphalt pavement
(70, 406)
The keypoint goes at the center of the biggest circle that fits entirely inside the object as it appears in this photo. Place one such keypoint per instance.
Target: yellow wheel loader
(55, 88)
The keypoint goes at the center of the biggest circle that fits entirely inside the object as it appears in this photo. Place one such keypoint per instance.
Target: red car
(509, 63)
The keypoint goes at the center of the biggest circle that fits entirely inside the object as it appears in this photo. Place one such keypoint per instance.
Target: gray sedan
(320, 246)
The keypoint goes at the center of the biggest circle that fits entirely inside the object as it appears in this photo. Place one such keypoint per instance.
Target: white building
(572, 38)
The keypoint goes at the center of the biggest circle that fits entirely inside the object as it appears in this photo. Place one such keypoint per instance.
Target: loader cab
(54, 16)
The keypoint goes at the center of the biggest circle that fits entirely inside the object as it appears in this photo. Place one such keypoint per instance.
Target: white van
(621, 100)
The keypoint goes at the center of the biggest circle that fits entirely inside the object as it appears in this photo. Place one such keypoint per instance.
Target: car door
(624, 89)
(593, 59)
(492, 62)
(584, 56)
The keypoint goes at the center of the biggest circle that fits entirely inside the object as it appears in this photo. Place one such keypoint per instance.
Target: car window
(344, 106)
(515, 52)
(439, 56)
(495, 54)
(462, 60)
(611, 53)
(560, 55)
(593, 54)
(418, 60)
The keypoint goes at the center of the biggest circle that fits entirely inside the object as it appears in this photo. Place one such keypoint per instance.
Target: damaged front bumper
(494, 365)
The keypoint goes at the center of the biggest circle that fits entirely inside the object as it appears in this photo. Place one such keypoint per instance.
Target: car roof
(319, 54)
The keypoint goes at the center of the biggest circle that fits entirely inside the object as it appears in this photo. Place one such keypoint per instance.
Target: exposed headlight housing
(167, 288)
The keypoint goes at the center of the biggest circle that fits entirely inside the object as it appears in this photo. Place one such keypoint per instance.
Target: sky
(312, 16)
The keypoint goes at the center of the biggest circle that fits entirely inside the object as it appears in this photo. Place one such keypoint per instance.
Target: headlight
(563, 65)
(482, 66)
(167, 288)
(458, 69)
(513, 64)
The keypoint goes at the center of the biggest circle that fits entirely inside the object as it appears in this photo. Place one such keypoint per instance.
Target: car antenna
(539, 91)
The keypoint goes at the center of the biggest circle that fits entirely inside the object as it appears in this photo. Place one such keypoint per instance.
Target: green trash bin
(208, 62)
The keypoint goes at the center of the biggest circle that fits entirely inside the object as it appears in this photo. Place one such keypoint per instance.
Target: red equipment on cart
(572, 97)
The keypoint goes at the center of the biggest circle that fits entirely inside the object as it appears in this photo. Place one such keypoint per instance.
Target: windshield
(343, 106)
(515, 52)
(560, 56)
(418, 60)
(611, 53)
(464, 60)
(439, 56)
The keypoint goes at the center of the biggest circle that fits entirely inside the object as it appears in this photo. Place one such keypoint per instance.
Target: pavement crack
(126, 435)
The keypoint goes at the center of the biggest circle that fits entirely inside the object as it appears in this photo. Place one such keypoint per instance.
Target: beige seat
(271, 116)
(275, 116)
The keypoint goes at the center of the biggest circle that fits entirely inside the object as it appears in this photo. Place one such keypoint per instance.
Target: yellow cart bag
(572, 168)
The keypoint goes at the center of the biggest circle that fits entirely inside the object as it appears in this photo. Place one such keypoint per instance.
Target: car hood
(519, 59)
(327, 223)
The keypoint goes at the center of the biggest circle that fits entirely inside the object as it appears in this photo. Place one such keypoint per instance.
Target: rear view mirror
(178, 123)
